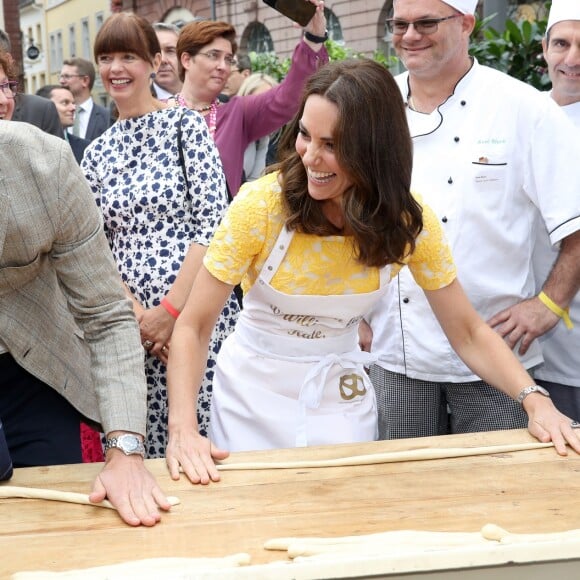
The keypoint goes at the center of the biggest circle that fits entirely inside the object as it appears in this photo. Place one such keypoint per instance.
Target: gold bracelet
(563, 313)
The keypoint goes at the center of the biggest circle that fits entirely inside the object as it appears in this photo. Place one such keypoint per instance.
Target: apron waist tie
(313, 387)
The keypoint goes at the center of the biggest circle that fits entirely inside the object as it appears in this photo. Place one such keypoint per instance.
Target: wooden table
(525, 492)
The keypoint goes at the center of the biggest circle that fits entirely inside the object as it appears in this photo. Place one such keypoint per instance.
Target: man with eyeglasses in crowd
(30, 108)
(488, 158)
(91, 120)
(167, 82)
(239, 72)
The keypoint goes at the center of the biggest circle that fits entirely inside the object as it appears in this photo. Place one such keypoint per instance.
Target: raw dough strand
(11, 491)
(388, 457)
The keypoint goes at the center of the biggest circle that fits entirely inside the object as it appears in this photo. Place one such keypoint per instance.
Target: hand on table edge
(195, 456)
(131, 488)
(547, 424)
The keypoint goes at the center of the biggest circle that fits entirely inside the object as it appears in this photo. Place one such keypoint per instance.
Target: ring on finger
(148, 344)
(575, 425)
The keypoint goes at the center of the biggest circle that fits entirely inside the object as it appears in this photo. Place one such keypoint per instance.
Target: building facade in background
(60, 29)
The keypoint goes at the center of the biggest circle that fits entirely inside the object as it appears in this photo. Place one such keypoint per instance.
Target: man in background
(488, 158)
(238, 74)
(91, 120)
(65, 105)
(32, 108)
(560, 373)
(167, 82)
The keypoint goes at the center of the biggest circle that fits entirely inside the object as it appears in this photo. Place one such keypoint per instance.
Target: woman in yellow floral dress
(314, 245)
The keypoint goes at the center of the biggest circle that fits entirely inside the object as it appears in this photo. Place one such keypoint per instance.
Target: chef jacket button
(456, 139)
(270, 268)
(463, 103)
(406, 300)
(444, 219)
(281, 247)
(450, 180)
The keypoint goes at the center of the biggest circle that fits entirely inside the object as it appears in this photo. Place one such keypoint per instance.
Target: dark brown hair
(127, 32)
(373, 146)
(199, 33)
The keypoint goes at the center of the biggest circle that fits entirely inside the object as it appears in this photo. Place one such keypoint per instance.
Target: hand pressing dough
(422, 454)
(7, 491)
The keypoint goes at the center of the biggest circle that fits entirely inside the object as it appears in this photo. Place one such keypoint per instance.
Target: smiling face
(6, 102)
(431, 55)
(65, 105)
(562, 53)
(206, 76)
(126, 77)
(168, 73)
(327, 180)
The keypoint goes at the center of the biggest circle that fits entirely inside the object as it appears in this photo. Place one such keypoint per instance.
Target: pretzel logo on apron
(349, 388)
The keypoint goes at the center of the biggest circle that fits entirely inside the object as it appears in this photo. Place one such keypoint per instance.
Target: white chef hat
(465, 6)
(563, 10)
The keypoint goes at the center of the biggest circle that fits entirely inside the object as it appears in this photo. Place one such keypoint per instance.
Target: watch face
(128, 443)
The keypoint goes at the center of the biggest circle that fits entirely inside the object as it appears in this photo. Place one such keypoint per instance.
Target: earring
(152, 75)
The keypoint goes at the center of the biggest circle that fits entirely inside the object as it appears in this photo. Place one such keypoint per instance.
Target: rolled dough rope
(493, 532)
(149, 569)
(395, 541)
(395, 536)
(8, 491)
(422, 454)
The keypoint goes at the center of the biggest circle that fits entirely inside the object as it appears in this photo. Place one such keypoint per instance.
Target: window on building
(59, 50)
(258, 38)
(86, 39)
(52, 47)
(333, 26)
(99, 19)
(72, 40)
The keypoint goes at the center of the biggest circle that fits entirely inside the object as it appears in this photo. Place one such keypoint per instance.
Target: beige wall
(71, 27)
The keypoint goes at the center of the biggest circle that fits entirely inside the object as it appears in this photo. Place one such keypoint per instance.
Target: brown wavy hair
(199, 33)
(7, 64)
(127, 32)
(373, 146)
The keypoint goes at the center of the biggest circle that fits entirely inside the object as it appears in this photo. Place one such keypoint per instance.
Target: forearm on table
(489, 357)
(185, 372)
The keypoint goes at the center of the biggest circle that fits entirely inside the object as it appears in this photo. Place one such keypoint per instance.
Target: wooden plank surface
(526, 491)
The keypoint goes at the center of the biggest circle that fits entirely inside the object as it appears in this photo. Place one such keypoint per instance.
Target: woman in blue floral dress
(157, 177)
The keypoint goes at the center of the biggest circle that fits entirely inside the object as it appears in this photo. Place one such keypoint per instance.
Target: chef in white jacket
(494, 158)
(560, 373)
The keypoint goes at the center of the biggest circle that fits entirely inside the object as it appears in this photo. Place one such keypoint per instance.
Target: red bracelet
(170, 309)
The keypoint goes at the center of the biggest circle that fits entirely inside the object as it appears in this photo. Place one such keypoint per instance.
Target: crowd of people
(409, 266)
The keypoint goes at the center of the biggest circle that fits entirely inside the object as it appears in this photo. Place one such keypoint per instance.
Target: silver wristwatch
(529, 390)
(128, 443)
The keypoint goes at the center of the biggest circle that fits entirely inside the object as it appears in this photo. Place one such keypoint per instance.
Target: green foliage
(269, 63)
(516, 51)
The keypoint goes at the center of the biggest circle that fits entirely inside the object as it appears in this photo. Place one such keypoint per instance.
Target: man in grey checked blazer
(67, 332)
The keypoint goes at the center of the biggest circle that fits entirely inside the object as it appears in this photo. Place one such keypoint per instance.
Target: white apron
(292, 373)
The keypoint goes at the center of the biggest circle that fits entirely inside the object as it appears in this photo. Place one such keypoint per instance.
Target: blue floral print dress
(151, 218)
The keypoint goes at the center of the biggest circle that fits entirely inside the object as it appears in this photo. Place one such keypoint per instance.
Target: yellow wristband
(564, 314)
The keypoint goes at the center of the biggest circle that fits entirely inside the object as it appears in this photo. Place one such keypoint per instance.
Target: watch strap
(315, 38)
(529, 390)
